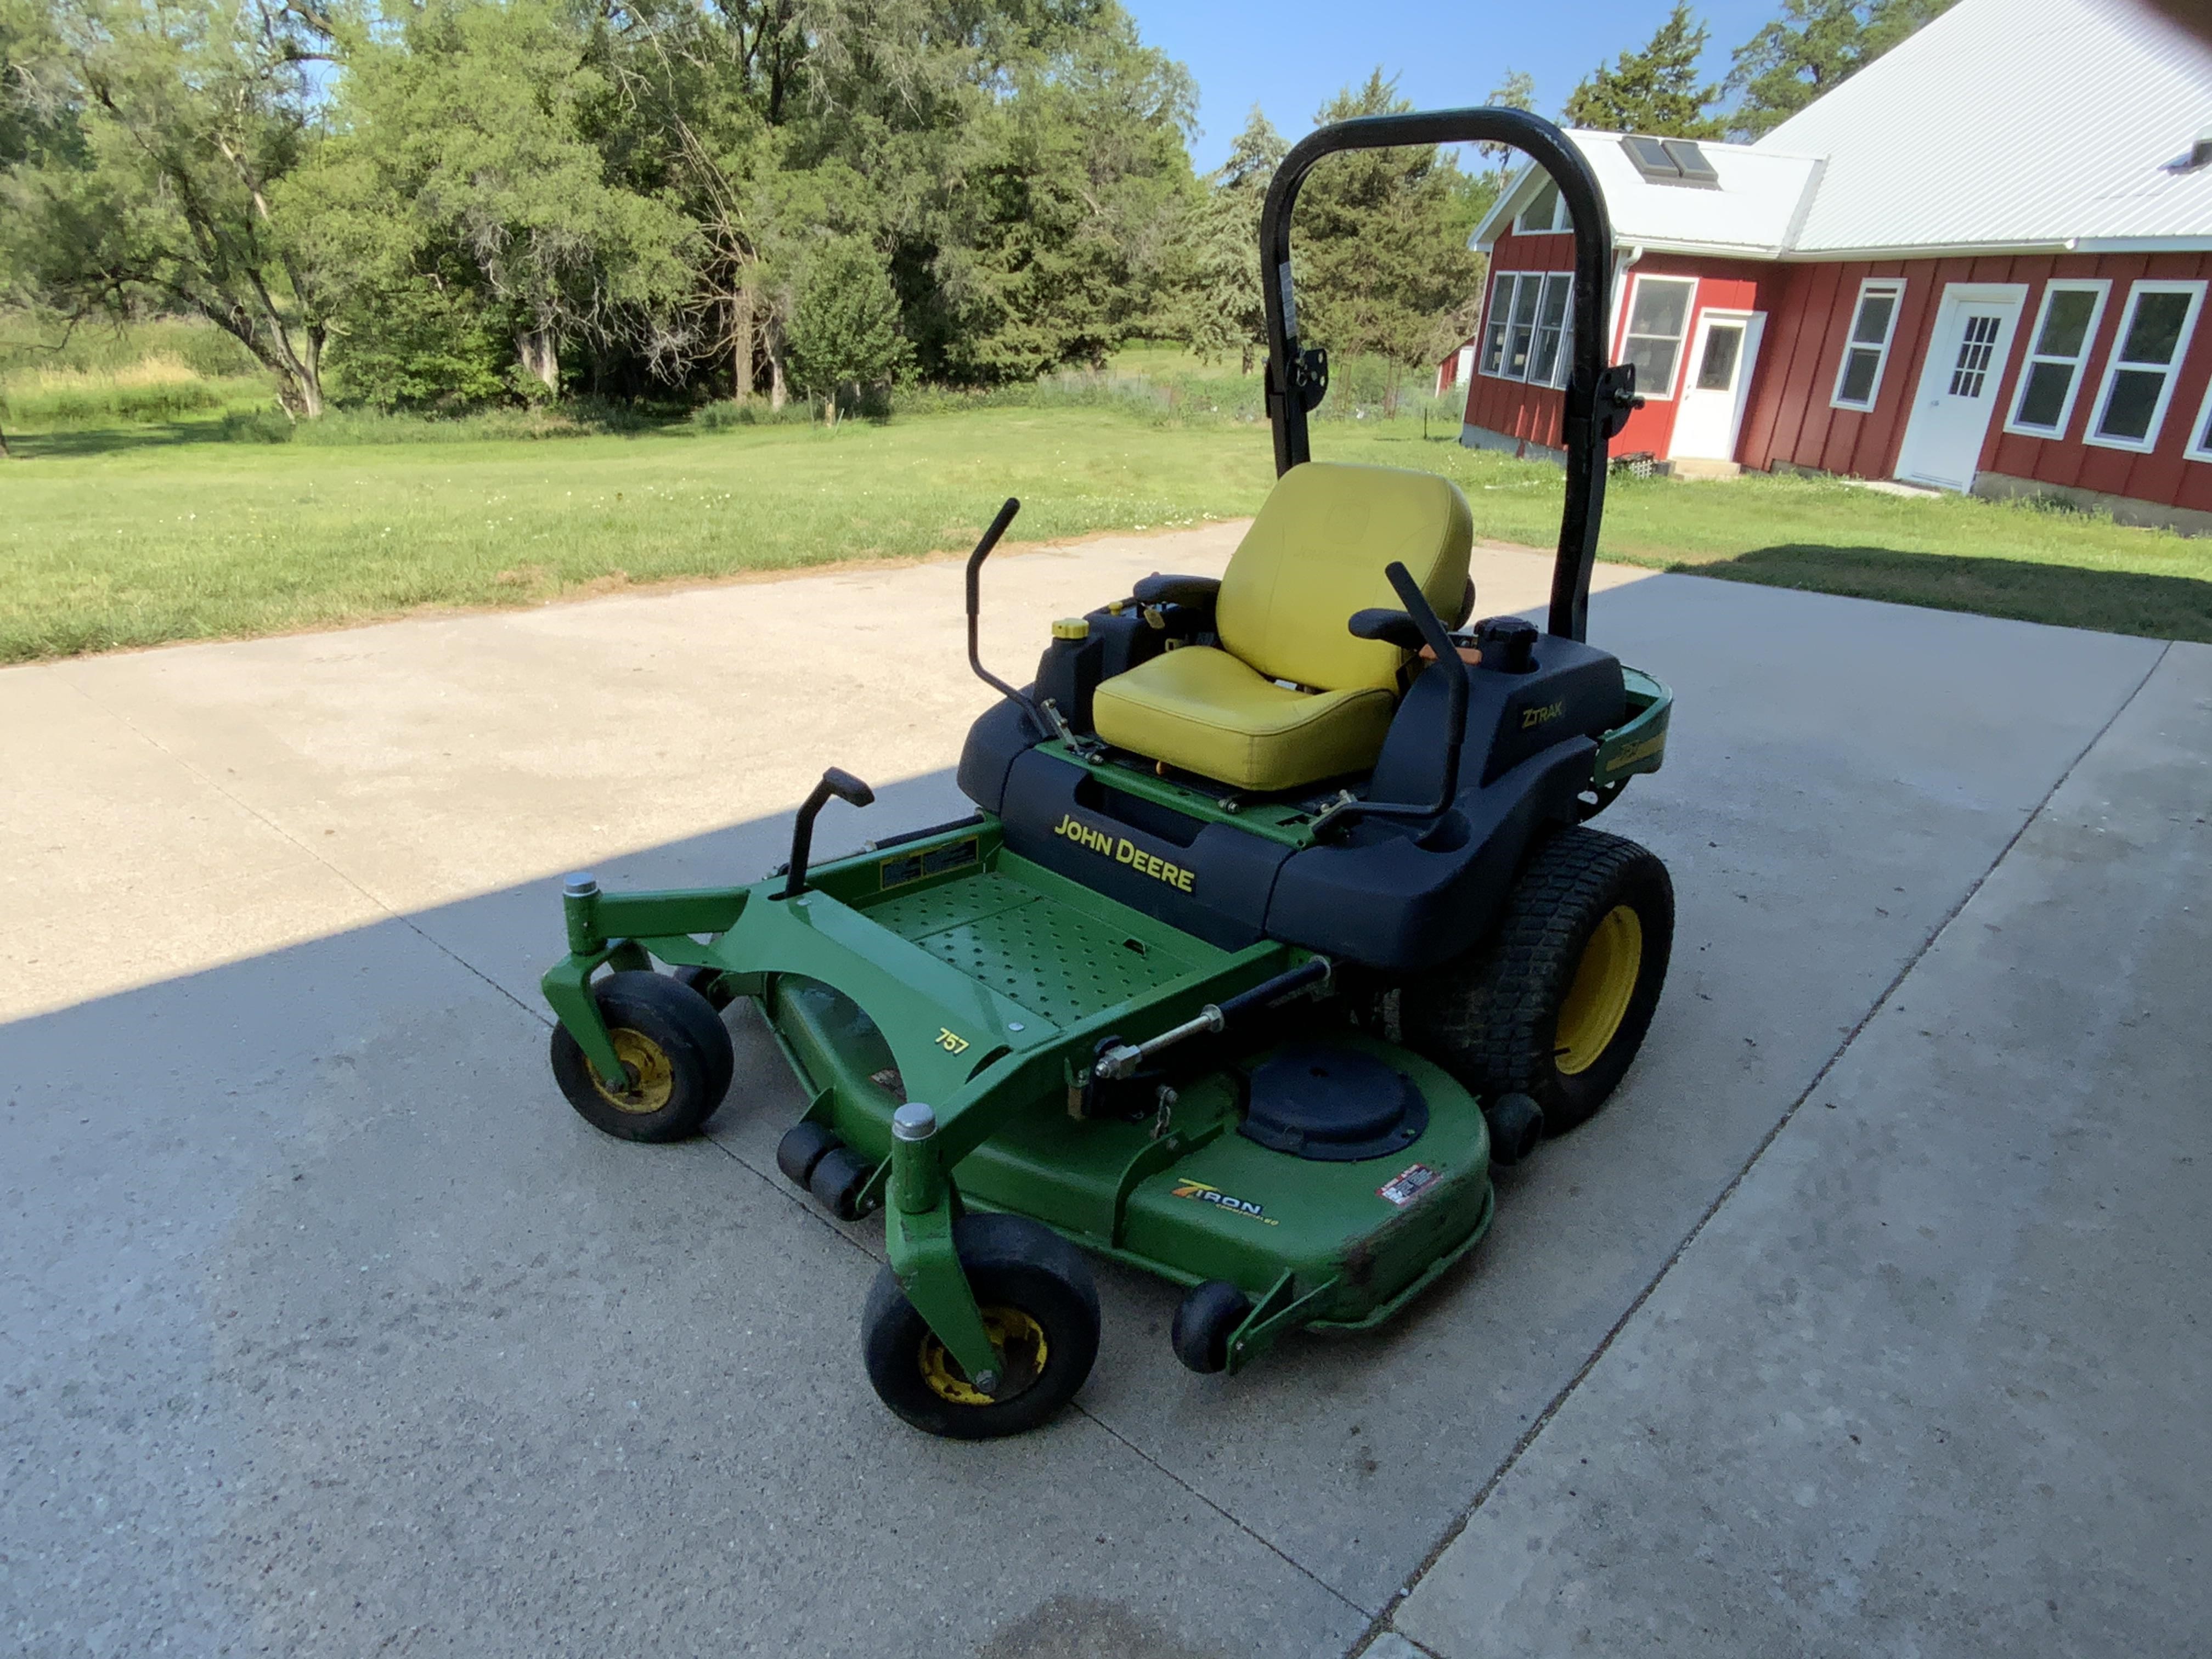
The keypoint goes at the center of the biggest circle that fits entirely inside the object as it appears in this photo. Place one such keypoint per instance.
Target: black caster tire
(836, 1180)
(801, 1148)
(1041, 1307)
(1555, 1003)
(707, 982)
(675, 1047)
(1517, 1128)
(1205, 1320)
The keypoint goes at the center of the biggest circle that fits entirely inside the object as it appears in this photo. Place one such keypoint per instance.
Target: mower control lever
(975, 610)
(847, 788)
(1450, 664)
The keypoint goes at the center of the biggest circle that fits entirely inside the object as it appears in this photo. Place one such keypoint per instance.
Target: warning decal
(1404, 1187)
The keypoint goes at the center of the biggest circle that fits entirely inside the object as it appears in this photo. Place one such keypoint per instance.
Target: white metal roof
(1749, 215)
(2012, 123)
(2003, 125)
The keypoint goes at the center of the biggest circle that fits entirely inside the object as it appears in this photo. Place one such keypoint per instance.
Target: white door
(1710, 412)
(1957, 392)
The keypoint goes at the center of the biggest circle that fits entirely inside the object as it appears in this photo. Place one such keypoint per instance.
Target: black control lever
(975, 611)
(1373, 624)
(846, 787)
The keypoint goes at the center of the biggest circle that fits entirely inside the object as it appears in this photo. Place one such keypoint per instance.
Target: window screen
(1658, 317)
(1548, 366)
(1493, 331)
(2139, 381)
(1866, 348)
(2056, 352)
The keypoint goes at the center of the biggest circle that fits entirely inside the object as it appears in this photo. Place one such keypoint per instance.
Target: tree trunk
(776, 392)
(741, 344)
(540, 359)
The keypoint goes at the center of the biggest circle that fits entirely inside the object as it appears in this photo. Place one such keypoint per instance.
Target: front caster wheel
(1041, 1308)
(676, 1054)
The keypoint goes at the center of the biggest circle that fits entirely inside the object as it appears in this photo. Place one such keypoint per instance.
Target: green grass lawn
(112, 538)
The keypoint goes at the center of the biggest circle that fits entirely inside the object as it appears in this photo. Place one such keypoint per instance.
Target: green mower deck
(989, 983)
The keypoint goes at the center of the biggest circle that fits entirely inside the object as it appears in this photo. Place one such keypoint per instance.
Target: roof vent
(1669, 161)
(2197, 155)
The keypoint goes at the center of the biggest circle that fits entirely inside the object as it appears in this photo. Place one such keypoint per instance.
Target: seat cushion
(1206, 712)
(1316, 554)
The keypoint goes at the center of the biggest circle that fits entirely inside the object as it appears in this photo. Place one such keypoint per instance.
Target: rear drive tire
(675, 1048)
(1555, 1005)
(1041, 1307)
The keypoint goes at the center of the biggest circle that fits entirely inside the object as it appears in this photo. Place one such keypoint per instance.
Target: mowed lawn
(138, 545)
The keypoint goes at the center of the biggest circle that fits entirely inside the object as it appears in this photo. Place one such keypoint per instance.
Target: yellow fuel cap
(1071, 627)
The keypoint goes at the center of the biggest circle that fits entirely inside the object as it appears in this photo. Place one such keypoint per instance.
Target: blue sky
(1290, 56)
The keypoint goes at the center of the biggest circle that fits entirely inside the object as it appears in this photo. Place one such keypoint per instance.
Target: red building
(1979, 264)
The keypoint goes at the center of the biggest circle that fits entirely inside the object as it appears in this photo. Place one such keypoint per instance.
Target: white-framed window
(2051, 379)
(1658, 320)
(1527, 321)
(2200, 436)
(2145, 361)
(1547, 212)
(1866, 348)
(1548, 366)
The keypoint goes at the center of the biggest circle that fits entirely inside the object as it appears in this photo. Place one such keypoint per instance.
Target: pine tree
(1812, 48)
(1381, 242)
(1221, 312)
(844, 325)
(1656, 90)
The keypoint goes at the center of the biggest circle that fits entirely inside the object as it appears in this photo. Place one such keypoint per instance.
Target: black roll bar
(1599, 396)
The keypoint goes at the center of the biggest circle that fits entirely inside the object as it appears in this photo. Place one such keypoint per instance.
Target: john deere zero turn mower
(1278, 923)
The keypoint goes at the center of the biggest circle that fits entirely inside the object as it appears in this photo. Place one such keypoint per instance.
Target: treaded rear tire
(1492, 1017)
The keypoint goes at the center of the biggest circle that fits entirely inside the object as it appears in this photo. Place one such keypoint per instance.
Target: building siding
(1790, 420)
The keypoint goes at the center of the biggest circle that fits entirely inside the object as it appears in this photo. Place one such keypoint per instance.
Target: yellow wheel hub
(1598, 1001)
(1020, 1342)
(655, 1079)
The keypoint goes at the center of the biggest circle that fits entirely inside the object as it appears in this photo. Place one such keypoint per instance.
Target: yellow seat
(1315, 556)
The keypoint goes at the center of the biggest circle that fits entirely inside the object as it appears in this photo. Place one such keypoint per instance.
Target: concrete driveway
(1872, 1316)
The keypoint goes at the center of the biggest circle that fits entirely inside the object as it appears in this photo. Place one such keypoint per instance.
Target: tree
(1054, 234)
(473, 136)
(1221, 311)
(1381, 242)
(845, 324)
(1813, 47)
(192, 116)
(1655, 90)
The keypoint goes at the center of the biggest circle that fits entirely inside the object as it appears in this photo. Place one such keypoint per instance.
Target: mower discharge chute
(1277, 924)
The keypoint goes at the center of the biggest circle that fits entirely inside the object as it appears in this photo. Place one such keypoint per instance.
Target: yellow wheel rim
(1604, 981)
(1020, 1342)
(648, 1063)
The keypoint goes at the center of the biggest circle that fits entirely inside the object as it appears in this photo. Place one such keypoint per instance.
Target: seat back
(1316, 554)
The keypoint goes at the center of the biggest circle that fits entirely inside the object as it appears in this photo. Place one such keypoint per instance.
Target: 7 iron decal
(1204, 1193)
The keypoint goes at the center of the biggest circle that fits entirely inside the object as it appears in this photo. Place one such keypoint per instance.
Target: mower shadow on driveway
(330, 1321)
